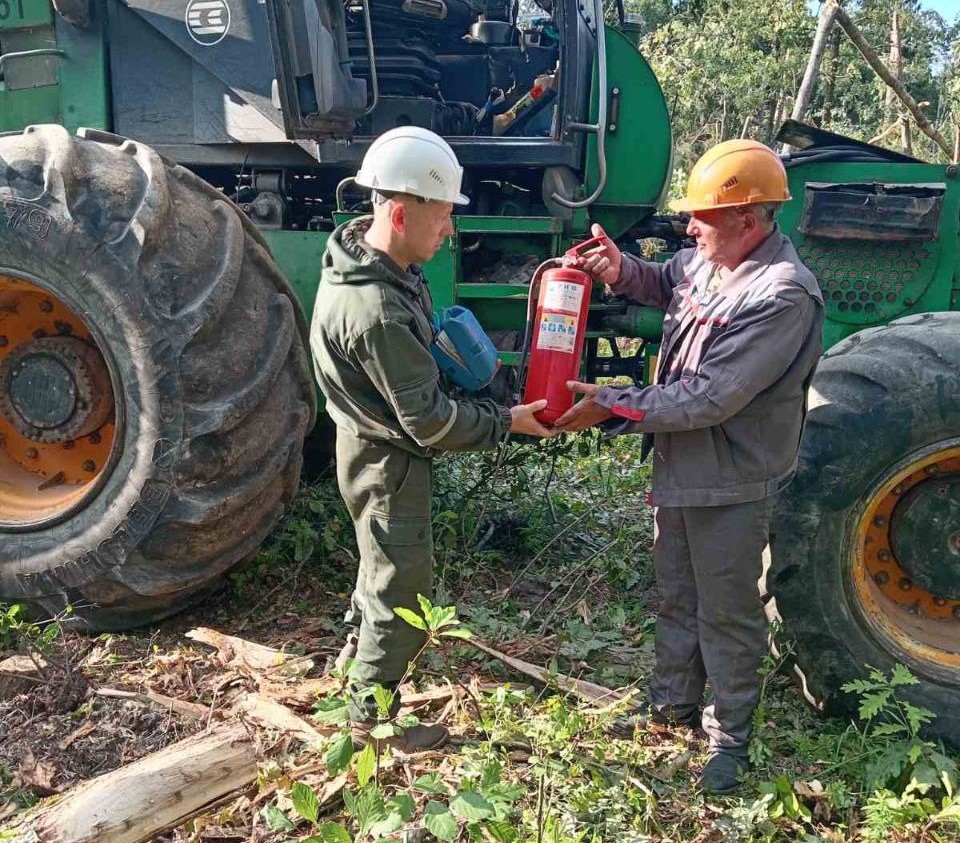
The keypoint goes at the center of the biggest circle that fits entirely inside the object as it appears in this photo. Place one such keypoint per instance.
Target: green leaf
(333, 833)
(900, 675)
(332, 711)
(305, 801)
(275, 819)
(384, 698)
(391, 823)
(339, 755)
(430, 783)
(426, 607)
(403, 804)
(366, 761)
(459, 632)
(368, 808)
(872, 704)
(440, 822)
(924, 778)
(471, 805)
(382, 731)
(411, 618)
(917, 716)
(501, 832)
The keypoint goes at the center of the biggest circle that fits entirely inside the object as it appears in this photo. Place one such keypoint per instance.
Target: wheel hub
(924, 535)
(58, 420)
(55, 389)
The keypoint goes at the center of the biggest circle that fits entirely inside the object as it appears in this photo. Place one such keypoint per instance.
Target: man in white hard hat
(370, 338)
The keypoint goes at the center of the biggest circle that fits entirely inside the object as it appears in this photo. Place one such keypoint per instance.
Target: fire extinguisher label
(558, 332)
(562, 295)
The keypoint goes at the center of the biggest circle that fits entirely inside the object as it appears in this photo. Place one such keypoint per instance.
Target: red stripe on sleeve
(628, 413)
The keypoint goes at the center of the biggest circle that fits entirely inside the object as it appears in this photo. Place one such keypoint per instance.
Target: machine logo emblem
(208, 21)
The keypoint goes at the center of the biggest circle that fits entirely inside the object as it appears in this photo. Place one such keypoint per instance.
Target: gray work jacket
(729, 398)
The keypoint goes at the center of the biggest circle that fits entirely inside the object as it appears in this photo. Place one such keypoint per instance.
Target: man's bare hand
(601, 263)
(522, 420)
(585, 413)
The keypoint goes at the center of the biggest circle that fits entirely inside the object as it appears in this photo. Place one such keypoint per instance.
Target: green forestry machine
(170, 171)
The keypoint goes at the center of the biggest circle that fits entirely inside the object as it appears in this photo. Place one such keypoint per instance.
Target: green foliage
(730, 68)
(17, 632)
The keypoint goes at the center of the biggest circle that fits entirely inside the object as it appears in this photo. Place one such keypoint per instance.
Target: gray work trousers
(711, 624)
(388, 493)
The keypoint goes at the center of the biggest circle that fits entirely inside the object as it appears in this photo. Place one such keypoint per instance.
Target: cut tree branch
(854, 34)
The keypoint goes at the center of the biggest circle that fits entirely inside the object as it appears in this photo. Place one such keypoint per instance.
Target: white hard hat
(412, 160)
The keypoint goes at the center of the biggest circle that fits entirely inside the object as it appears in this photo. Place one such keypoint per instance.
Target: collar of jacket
(775, 248)
(349, 259)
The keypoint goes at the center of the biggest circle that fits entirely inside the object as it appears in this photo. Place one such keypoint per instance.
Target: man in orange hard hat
(741, 340)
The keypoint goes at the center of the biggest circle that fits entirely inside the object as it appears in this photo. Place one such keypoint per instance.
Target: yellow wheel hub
(891, 580)
(57, 411)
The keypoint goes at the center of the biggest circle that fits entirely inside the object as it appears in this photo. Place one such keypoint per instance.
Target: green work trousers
(388, 493)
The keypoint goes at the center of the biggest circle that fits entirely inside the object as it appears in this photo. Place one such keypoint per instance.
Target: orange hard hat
(735, 172)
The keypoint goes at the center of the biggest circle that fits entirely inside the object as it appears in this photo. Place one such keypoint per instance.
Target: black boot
(723, 772)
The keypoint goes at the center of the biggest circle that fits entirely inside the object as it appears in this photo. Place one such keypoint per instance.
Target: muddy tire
(204, 343)
(865, 547)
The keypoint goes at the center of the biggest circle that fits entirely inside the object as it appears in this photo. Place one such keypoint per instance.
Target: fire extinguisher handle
(575, 250)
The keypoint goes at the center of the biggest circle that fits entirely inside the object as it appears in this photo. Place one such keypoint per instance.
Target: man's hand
(585, 413)
(601, 263)
(522, 420)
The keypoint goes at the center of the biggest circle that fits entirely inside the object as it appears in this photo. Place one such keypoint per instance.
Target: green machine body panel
(64, 83)
(638, 140)
(871, 268)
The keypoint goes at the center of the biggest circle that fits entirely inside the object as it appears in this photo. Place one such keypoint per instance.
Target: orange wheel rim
(57, 411)
(919, 622)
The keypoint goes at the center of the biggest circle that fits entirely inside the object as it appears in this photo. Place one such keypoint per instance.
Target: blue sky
(948, 8)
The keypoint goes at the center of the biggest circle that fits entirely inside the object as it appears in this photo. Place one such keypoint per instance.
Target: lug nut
(879, 521)
(94, 438)
(956, 612)
(39, 334)
(932, 469)
(884, 555)
(897, 490)
(881, 578)
(32, 453)
(939, 601)
(89, 465)
(905, 584)
(69, 445)
(46, 306)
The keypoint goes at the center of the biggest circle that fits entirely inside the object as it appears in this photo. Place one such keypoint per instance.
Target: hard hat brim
(462, 200)
(685, 206)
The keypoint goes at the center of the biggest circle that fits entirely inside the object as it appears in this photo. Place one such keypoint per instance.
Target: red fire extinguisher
(557, 334)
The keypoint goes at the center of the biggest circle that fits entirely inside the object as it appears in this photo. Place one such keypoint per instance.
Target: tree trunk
(905, 140)
(854, 34)
(896, 67)
(828, 14)
(132, 804)
(830, 79)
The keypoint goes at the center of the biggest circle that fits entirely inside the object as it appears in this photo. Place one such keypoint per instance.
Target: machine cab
(503, 82)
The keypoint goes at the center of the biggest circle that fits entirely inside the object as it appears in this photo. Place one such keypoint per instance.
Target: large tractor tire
(866, 544)
(154, 385)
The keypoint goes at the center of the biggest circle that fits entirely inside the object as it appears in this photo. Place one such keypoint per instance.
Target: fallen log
(19, 674)
(193, 711)
(268, 712)
(131, 804)
(246, 655)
